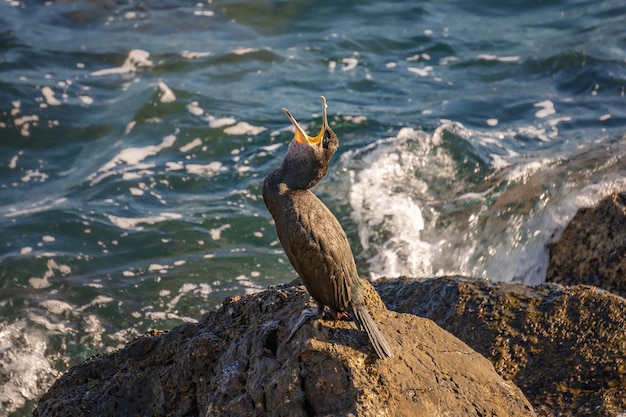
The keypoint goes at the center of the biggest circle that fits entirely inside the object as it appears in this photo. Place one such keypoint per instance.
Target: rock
(565, 347)
(235, 362)
(592, 249)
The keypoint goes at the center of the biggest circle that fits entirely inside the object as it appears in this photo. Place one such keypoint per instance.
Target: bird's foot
(306, 315)
(331, 315)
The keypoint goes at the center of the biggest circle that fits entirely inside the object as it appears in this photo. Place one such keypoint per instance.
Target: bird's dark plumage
(311, 236)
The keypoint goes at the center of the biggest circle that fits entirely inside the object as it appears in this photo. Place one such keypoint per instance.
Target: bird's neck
(276, 192)
(298, 174)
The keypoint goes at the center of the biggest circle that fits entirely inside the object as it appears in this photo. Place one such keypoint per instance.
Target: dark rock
(235, 362)
(565, 347)
(592, 249)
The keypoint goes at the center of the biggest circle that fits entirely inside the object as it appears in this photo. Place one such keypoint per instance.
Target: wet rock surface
(565, 347)
(236, 362)
(592, 248)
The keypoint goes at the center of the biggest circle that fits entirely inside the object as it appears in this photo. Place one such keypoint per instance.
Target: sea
(135, 137)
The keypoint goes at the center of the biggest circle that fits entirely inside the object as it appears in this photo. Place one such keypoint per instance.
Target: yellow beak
(301, 136)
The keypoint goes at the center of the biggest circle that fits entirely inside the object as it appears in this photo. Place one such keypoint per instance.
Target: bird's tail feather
(364, 320)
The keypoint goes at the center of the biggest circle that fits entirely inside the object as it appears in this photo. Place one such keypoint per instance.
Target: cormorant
(311, 236)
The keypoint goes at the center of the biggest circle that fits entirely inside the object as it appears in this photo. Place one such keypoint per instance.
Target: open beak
(301, 136)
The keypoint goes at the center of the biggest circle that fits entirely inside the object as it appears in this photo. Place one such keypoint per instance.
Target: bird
(312, 237)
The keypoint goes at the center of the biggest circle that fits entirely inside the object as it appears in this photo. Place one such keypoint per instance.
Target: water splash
(422, 210)
(24, 364)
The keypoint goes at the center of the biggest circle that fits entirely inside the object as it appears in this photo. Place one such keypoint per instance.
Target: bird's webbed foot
(306, 315)
(336, 315)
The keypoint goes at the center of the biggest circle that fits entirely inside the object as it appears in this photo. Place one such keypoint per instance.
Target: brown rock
(592, 249)
(235, 362)
(565, 347)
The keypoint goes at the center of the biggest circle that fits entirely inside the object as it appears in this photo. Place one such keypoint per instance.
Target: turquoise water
(134, 138)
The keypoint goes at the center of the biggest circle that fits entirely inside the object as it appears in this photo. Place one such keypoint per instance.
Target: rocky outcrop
(236, 362)
(592, 249)
(565, 347)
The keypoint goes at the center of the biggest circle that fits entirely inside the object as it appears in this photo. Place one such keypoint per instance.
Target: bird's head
(308, 157)
(326, 139)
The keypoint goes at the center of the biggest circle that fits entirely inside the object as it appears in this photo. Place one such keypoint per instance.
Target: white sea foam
(349, 63)
(13, 161)
(16, 109)
(378, 207)
(167, 95)
(356, 119)
(170, 312)
(498, 233)
(194, 55)
(136, 222)
(422, 72)
(195, 109)
(538, 132)
(207, 170)
(86, 100)
(56, 306)
(52, 268)
(174, 166)
(243, 51)
(25, 122)
(244, 128)
(47, 323)
(136, 59)
(131, 157)
(206, 13)
(519, 250)
(158, 267)
(25, 371)
(489, 57)
(34, 174)
(94, 328)
(498, 162)
(271, 148)
(547, 109)
(48, 95)
(216, 234)
(221, 122)
(250, 287)
(524, 170)
(19, 121)
(129, 126)
(29, 207)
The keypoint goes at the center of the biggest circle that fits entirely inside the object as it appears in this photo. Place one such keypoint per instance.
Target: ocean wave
(421, 210)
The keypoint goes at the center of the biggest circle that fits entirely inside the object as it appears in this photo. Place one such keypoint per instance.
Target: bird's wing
(320, 252)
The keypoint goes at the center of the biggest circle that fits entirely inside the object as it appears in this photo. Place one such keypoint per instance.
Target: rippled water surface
(134, 138)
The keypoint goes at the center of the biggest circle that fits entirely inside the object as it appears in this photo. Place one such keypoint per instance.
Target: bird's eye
(326, 139)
